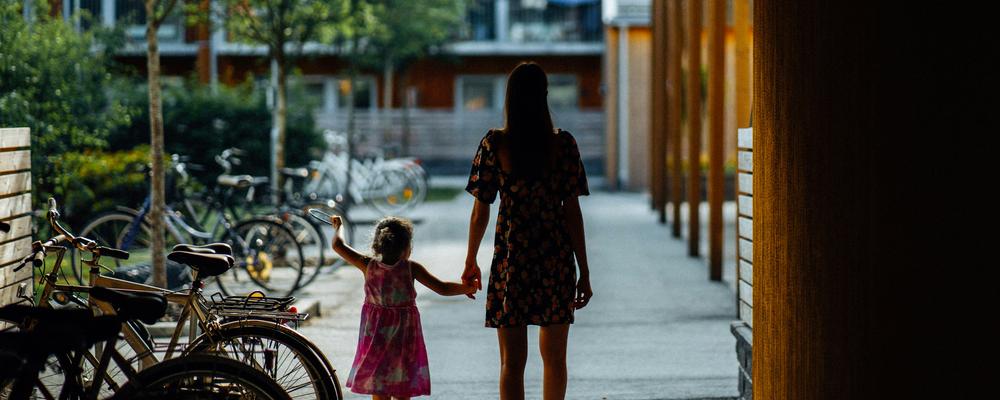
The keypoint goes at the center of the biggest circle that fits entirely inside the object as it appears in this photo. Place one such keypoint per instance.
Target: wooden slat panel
(15, 160)
(744, 138)
(14, 137)
(746, 293)
(9, 277)
(746, 250)
(746, 271)
(745, 162)
(746, 228)
(15, 205)
(745, 206)
(746, 313)
(14, 251)
(18, 227)
(15, 183)
(745, 183)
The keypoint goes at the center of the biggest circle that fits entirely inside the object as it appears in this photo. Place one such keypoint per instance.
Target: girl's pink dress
(391, 358)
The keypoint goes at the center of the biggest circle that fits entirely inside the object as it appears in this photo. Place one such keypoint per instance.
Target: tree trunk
(280, 119)
(405, 146)
(157, 193)
(388, 70)
(352, 78)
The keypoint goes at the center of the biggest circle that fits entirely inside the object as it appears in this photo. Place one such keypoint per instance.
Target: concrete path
(655, 329)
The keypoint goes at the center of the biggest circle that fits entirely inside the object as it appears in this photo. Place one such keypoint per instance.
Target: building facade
(452, 99)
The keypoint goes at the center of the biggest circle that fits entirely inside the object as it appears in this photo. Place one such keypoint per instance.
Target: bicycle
(261, 339)
(67, 334)
(269, 256)
(393, 186)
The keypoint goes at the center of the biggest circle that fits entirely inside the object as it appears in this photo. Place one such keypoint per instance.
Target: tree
(156, 12)
(57, 82)
(406, 31)
(284, 27)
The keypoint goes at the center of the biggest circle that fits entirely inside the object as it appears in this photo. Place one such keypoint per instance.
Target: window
(132, 14)
(486, 92)
(477, 93)
(364, 92)
(564, 93)
(330, 93)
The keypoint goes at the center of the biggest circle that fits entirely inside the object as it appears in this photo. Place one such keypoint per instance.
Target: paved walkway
(655, 329)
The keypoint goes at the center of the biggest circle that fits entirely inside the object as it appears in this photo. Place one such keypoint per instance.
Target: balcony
(531, 27)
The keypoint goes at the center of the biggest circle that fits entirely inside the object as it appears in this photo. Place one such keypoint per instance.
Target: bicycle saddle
(240, 181)
(212, 248)
(206, 264)
(146, 307)
(294, 172)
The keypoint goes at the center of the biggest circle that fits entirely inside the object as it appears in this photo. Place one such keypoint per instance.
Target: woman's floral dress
(533, 273)
(391, 358)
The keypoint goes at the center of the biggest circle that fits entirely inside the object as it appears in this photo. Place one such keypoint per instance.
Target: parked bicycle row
(278, 249)
(90, 341)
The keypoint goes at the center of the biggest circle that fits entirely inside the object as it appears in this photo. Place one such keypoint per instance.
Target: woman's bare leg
(552, 344)
(513, 356)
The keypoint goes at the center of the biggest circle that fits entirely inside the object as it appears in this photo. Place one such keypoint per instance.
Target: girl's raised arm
(433, 283)
(347, 252)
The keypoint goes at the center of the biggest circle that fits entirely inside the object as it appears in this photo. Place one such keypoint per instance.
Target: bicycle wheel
(333, 259)
(310, 237)
(56, 376)
(389, 191)
(278, 351)
(268, 258)
(202, 376)
(115, 229)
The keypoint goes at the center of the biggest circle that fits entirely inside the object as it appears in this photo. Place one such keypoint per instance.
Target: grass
(442, 193)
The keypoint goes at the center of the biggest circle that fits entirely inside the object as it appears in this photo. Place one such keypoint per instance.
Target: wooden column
(872, 241)
(741, 70)
(694, 125)
(675, 44)
(716, 133)
(657, 145)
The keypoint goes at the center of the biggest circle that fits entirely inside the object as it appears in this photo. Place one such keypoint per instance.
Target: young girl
(391, 360)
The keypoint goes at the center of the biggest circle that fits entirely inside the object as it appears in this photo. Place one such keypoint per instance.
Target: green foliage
(277, 23)
(200, 124)
(58, 83)
(99, 180)
(405, 30)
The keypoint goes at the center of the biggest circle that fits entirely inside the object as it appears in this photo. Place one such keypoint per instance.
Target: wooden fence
(15, 209)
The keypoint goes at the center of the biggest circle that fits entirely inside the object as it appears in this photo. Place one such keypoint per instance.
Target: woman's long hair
(527, 121)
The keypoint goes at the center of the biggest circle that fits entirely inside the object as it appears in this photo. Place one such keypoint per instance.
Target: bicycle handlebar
(81, 243)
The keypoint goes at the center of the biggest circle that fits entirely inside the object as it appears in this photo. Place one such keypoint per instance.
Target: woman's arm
(574, 224)
(477, 228)
(347, 252)
(433, 283)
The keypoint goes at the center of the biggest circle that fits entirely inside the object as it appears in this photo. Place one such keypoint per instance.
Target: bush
(58, 83)
(99, 180)
(201, 124)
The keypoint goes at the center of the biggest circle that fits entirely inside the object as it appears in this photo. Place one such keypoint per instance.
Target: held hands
(583, 292)
(472, 277)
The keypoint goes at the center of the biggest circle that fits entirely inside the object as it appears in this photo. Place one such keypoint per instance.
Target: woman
(538, 173)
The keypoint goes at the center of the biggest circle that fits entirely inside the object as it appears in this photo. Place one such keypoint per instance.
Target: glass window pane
(563, 92)
(477, 93)
(362, 93)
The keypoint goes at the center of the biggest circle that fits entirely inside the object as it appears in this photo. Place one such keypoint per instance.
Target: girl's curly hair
(393, 236)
